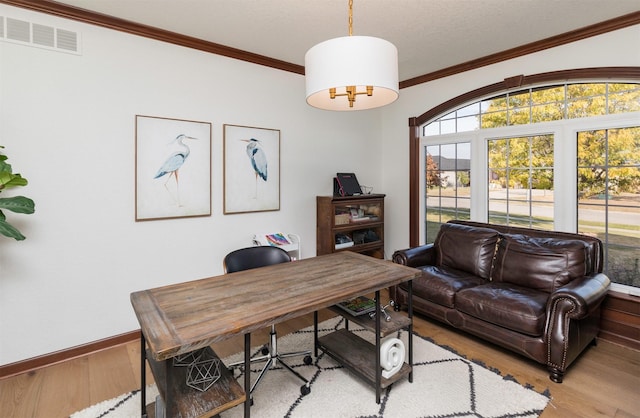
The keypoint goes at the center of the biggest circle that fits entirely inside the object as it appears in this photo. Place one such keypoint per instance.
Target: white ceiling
(430, 34)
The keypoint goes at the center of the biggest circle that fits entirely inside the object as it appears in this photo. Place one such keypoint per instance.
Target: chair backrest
(254, 257)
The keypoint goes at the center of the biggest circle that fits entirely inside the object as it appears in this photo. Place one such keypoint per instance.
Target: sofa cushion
(510, 306)
(466, 248)
(544, 264)
(440, 284)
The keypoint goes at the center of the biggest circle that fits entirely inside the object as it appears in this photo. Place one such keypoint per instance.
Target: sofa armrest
(566, 308)
(424, 255)
(585, 295)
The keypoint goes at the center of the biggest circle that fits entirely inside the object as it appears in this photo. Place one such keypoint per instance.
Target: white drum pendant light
(352, 72)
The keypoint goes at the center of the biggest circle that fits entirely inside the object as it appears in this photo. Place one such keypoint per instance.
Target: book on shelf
(277, 239)
(343, 241)
(358, 306)
(274, 239)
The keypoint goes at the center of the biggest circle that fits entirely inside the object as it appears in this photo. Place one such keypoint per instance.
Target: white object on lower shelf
(391, 356)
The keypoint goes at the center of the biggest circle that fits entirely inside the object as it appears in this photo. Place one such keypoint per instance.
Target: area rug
(444, 385)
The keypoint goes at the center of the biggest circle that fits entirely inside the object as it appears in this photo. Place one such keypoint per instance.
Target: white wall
(67, 124)
(620, 48)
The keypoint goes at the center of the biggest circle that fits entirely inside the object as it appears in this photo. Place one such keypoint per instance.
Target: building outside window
(447, 185)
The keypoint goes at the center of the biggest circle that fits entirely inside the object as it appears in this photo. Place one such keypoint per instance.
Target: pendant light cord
(350, 17)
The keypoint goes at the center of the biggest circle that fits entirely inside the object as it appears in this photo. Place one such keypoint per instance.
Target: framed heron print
(173, 168)
(251, 169)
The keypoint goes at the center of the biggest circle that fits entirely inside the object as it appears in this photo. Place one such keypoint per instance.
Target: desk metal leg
(143, 376)
(315, 334)
(377, 367)
(170, 407)
(410, 336)
(247, 374)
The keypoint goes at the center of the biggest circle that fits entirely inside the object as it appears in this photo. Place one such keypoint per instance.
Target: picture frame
(172, 168)
(251, 159)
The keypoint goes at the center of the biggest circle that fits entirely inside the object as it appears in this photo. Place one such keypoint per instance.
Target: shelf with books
(362, 356)
(353, 223)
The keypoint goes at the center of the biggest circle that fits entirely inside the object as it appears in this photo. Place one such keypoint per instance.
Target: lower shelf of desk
(398, 321)
(357, 355)
(225, 393)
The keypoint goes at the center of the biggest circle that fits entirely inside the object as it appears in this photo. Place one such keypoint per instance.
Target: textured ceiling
(430, 34)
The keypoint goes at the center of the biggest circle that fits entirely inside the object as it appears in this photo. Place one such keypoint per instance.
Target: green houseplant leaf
(8, 180)
(9, 231)
(17, 204)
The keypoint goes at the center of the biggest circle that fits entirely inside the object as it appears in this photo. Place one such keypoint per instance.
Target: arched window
(563, 156)
(540, 104)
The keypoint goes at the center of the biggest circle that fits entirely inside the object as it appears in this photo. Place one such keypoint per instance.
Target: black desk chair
(261, 256)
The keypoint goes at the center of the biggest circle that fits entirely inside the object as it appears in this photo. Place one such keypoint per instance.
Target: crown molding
(133, 28)
(110, 22)
(621, 22)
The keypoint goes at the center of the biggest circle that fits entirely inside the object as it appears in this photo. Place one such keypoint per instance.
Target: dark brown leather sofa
(535, 292)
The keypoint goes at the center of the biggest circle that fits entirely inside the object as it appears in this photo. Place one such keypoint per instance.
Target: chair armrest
(584, 295)
(424, 255)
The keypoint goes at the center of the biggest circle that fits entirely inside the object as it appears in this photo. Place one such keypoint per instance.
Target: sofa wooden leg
(556, 375)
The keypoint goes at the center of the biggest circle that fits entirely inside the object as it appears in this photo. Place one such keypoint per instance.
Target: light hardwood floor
(604, 382)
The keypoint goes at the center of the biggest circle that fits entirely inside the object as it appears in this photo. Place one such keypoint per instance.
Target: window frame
(565, 163)
(614, 74)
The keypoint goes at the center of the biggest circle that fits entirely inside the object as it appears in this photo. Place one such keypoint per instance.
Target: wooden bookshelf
(359, 218)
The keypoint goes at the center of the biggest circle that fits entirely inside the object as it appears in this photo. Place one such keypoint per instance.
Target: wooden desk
(180, 318)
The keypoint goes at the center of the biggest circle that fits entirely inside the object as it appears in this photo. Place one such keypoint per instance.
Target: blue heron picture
(173, 168)
(258, 160)
(172, 164)
(251, 169)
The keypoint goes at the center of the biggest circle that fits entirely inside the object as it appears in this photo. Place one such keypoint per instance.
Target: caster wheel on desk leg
(308, 360)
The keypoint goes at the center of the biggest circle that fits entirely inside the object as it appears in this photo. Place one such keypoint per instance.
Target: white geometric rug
(444, 385)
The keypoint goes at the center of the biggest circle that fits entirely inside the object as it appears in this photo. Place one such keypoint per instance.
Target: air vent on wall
(41, 36)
